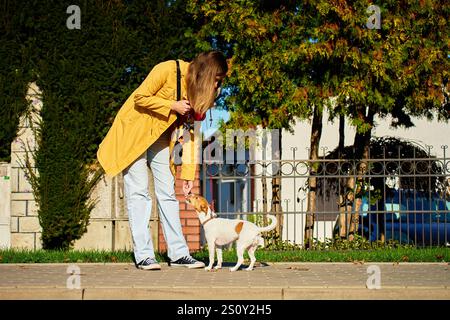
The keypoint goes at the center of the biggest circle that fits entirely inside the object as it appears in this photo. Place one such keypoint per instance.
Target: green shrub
(85, 76)
(274, 242)
(13, 88)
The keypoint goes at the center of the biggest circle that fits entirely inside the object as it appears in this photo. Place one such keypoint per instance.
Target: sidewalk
(268, 281)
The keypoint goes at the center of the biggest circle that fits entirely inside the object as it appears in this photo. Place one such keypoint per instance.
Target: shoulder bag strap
(178, 81)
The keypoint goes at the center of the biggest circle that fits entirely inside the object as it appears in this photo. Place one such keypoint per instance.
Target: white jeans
(139, 203)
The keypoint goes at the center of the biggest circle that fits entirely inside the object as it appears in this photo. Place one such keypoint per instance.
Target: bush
(13, 87)
(85, 76)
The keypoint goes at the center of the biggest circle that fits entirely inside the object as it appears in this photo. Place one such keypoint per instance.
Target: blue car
(409, 217)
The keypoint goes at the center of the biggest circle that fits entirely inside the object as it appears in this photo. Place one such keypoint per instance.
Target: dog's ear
(204, 208)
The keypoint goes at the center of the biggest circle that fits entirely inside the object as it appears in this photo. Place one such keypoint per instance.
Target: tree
(260, 92)
(14, 79)
(291, 60)
(396, 70)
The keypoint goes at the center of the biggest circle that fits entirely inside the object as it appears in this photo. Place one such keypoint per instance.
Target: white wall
(433, 133)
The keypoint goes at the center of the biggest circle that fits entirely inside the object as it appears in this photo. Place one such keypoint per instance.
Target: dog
(220, 232)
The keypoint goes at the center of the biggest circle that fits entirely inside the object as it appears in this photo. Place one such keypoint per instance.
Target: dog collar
(207, 220)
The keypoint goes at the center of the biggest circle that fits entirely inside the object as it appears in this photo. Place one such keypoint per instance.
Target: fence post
(5, 205)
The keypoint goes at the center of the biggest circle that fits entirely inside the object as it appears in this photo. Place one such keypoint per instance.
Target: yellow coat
(143, 118)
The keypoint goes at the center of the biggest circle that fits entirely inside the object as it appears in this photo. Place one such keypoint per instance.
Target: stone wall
(25, 228)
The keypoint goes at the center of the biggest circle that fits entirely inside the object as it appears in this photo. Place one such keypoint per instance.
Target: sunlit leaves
(287, 58)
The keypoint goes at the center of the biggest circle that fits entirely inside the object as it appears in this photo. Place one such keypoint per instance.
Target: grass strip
(98, 256)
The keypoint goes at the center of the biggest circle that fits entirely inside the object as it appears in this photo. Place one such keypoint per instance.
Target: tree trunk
(345, 207)
(316, 133)
(264, 200)
(276, 206)
(345, 198)
(362, 144)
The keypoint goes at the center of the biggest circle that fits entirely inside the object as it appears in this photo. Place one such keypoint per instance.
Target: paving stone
(118, 280)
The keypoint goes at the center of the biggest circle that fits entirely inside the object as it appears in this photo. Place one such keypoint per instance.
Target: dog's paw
(248, 269)
(207, 268)
(233, 269)
(217, 267)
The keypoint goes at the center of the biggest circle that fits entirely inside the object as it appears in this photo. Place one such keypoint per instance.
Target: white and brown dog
(219, 232)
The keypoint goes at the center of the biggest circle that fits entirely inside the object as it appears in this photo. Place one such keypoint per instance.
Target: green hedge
(85, 76)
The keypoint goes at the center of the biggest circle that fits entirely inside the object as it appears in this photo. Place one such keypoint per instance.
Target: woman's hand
(182, 107)
(187, 187)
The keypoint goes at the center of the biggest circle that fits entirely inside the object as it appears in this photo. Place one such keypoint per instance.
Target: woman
(141, 135)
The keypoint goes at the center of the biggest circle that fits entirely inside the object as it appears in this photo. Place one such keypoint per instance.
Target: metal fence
(398, 197)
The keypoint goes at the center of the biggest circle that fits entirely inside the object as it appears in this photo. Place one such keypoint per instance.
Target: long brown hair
(201, 78)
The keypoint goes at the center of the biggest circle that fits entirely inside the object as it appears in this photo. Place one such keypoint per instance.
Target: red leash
(210, 178)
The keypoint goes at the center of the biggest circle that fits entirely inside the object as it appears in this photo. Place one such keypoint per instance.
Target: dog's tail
(271, 226)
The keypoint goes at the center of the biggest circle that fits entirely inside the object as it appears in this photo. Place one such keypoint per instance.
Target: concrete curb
(214, 293)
